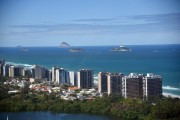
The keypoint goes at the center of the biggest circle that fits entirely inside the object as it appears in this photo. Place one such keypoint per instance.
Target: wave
(171, 95)
(95, 76)
(28, 66)
(170, 88)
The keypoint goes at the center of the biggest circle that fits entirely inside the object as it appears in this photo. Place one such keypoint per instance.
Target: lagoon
(49, 116)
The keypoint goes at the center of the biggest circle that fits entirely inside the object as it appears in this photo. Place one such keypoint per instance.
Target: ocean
(163, 60)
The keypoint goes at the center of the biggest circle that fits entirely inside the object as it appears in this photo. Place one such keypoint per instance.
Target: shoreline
(164, 87)
(170, 95)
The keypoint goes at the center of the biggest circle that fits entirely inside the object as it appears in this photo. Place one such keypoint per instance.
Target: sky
(89, 22)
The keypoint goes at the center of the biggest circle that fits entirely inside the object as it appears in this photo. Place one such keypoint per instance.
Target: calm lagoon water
(49, 116)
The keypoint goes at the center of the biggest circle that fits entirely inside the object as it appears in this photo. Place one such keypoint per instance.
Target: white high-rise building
(54, 73)
(73, 78)
(11, 71)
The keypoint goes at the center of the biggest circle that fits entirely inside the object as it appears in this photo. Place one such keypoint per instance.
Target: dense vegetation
(129, 109)
(113, 105)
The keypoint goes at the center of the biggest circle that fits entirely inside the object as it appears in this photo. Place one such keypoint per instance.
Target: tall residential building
(39, 72)
(102, 82)
(47, 74)
(1, 69)
(6, 70)
(16, 71)
(62, 76)
(132, 86)
(50, 75)
(2, 63)
(85, 78)
(73, 78)
(27, 73)
(54, 73)
(152, 86)
(11, 71)
(114, 81)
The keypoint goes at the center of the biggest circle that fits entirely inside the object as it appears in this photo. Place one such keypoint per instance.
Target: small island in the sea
(120, 49)
(19, 46)
(76, 50)
(24, 49)
(64, 45)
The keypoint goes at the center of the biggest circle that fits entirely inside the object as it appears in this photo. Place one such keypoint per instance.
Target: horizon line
(93, 45)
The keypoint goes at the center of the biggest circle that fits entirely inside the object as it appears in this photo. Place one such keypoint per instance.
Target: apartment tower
(152, 86)
(132, 86)
(102, 82)
(85, 78)
(114, 83)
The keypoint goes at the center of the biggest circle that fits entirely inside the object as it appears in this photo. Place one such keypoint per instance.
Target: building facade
(152, 86)
(28, 73)
(6, 70)
(62, 76)
(73, 78)
(2, 63)
(54, 73)
(102, 82)
(16, 71)
(85, 78)
(132, 86)
(39, 72)
(114, 81)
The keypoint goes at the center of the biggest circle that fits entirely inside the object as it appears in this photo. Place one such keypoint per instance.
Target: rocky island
(76, 50)
(64, 45)
(120, 49)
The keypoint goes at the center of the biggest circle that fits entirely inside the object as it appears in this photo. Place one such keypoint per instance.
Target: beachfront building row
(82, 78)
(131, 86)
(9, 70)
(13, 71)
(36, 72)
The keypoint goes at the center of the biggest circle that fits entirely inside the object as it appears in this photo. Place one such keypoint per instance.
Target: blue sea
(163, 60)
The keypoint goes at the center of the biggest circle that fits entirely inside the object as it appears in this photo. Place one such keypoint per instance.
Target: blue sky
(89, 22)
